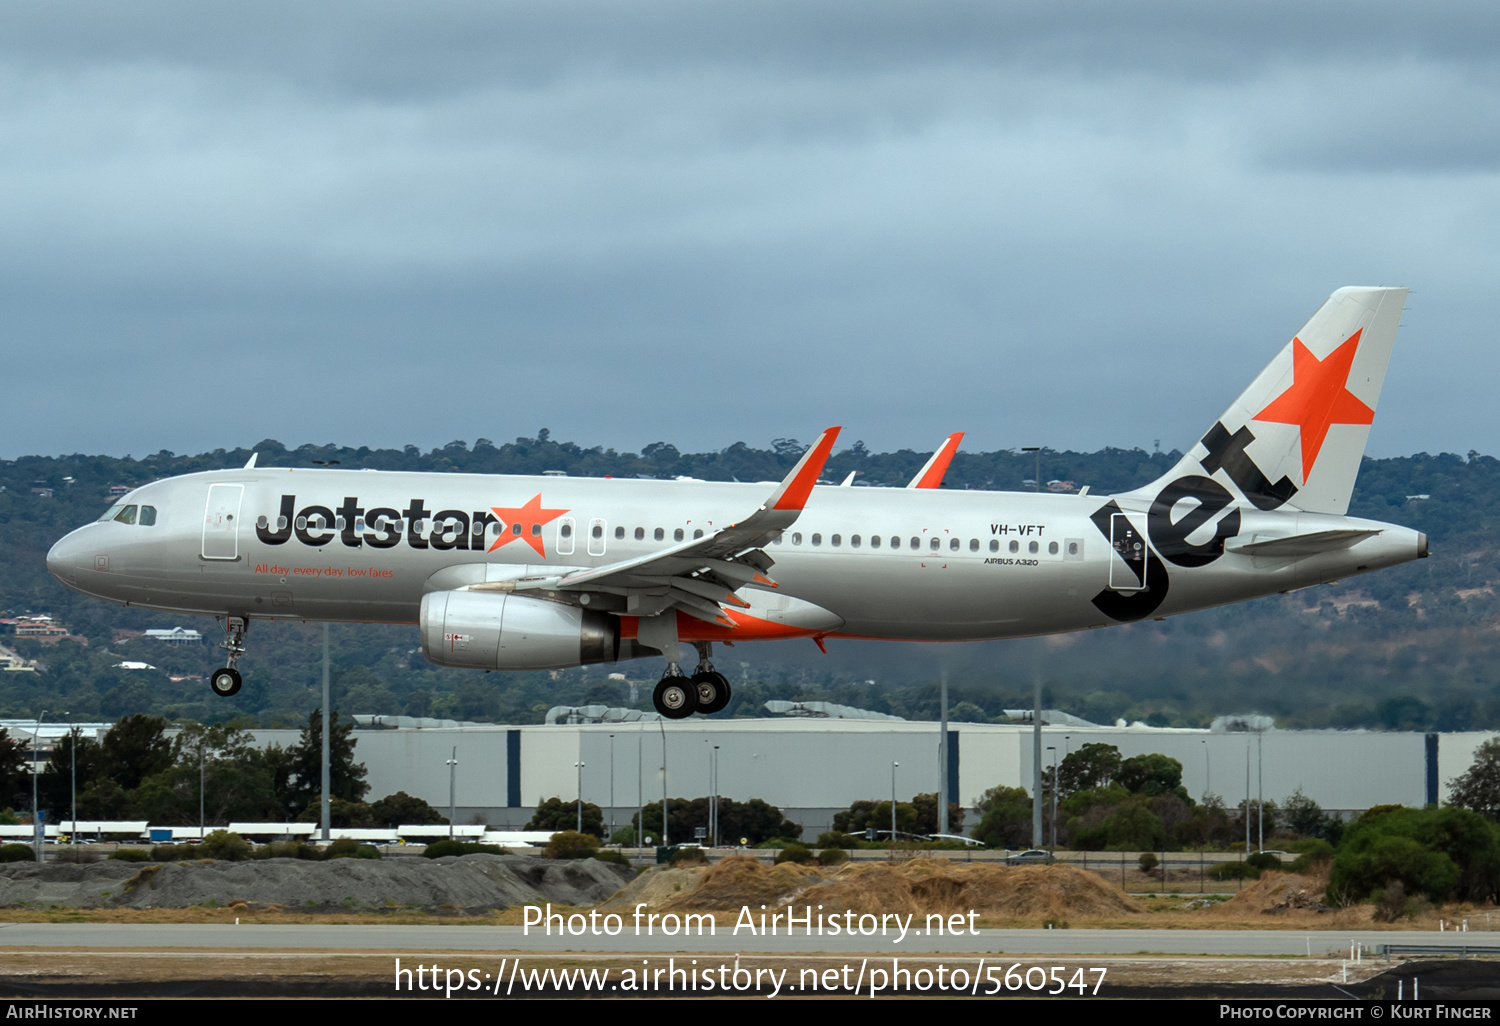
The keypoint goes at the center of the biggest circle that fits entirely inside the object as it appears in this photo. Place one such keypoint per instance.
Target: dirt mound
(1279, 892)
(467, 882)
(740, 881)
(921, 886)
(930, 886)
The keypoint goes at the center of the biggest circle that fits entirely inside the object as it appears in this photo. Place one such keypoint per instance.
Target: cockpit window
(148, 516)
(126, 515)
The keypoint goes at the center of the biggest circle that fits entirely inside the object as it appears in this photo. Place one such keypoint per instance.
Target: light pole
(893, 805)
(38, 831)
(640, 791)
(452, 790)
(1053, 750)
(1037, 482)
(665, 833)
(73, 771)
(326, 809)
(611, 787)
(1208, 771)
(716, 796)
(579, 765)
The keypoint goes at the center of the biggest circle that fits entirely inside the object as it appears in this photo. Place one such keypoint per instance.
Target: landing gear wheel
(226, 682)
(713, 690)
(675, 698)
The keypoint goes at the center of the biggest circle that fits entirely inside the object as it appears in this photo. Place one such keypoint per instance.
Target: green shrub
(1149, 861)
(570, 844)
(17, 853)
(348, 848)
(130, 855)
(438, 849)
(1316, 852)
(223, 846)
(614, 858)
(795, 853)
(171, 852)
(685, 856)
(1263, 860)
(831, 856)
(836, 839)
(1234, 871)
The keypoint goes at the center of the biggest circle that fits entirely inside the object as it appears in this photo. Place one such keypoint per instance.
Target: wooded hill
(1409, 648)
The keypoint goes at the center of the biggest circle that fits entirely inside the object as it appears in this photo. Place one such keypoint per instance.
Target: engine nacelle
(504, 631)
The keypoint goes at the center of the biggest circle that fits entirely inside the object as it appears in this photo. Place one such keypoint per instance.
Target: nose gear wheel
(226, 682)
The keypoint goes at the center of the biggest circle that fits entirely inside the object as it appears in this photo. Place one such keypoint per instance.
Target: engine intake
(490, 631)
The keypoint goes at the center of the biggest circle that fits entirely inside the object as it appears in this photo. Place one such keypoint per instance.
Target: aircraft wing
(700, 574)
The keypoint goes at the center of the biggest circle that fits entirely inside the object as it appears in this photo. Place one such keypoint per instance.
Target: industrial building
(814, 767)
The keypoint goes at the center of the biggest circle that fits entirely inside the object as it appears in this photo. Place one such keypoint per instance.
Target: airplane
(528, 573)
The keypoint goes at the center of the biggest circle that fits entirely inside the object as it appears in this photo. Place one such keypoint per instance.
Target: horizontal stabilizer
(1302, 544)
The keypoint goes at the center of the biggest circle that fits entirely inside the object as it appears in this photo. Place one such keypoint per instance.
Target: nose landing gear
(226, 681)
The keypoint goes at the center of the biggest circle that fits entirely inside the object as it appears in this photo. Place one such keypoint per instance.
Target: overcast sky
(1073, 225)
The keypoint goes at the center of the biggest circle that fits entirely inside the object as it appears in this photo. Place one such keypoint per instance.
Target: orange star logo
(1318, 398)
(529, 519)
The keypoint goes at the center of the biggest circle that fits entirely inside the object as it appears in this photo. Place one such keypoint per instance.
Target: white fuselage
(918, 564)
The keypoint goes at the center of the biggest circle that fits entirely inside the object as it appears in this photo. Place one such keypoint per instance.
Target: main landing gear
(707, 691)
(226, 681)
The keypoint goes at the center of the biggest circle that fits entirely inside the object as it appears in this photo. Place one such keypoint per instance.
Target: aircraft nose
(68, 557)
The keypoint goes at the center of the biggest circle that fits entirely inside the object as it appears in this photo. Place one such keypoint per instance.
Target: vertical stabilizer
(1297, 434)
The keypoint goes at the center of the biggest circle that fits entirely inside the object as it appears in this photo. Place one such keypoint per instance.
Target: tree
(15, 789)
(135, 748)
(1092, 766)
(55, 786)
(555, 815)
(218, 766)
(346, 778)
(401, 809)
(1478, 788)
(1152, 775)
(927, 815)
(1004, 817)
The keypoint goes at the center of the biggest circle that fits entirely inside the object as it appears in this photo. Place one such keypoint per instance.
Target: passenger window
(619, 534)
(895, 542)
(796, 537)
(640, 534)
(874, 541)
(854, 540)
(994, 545)
(1015, 546)
(1033, 548)
(659, 534)
(676, 536)
(973, 544)
(1052, 548)
(937, 543)
(1072, 548)
(262, 523)
(566, 531)
(148, 516)
(536, 530)
(126, 515)
(699, 534)
(834, 541)
(916, 542)
(515, 530)
(953, 544)
(598, 531)
(817, 539)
